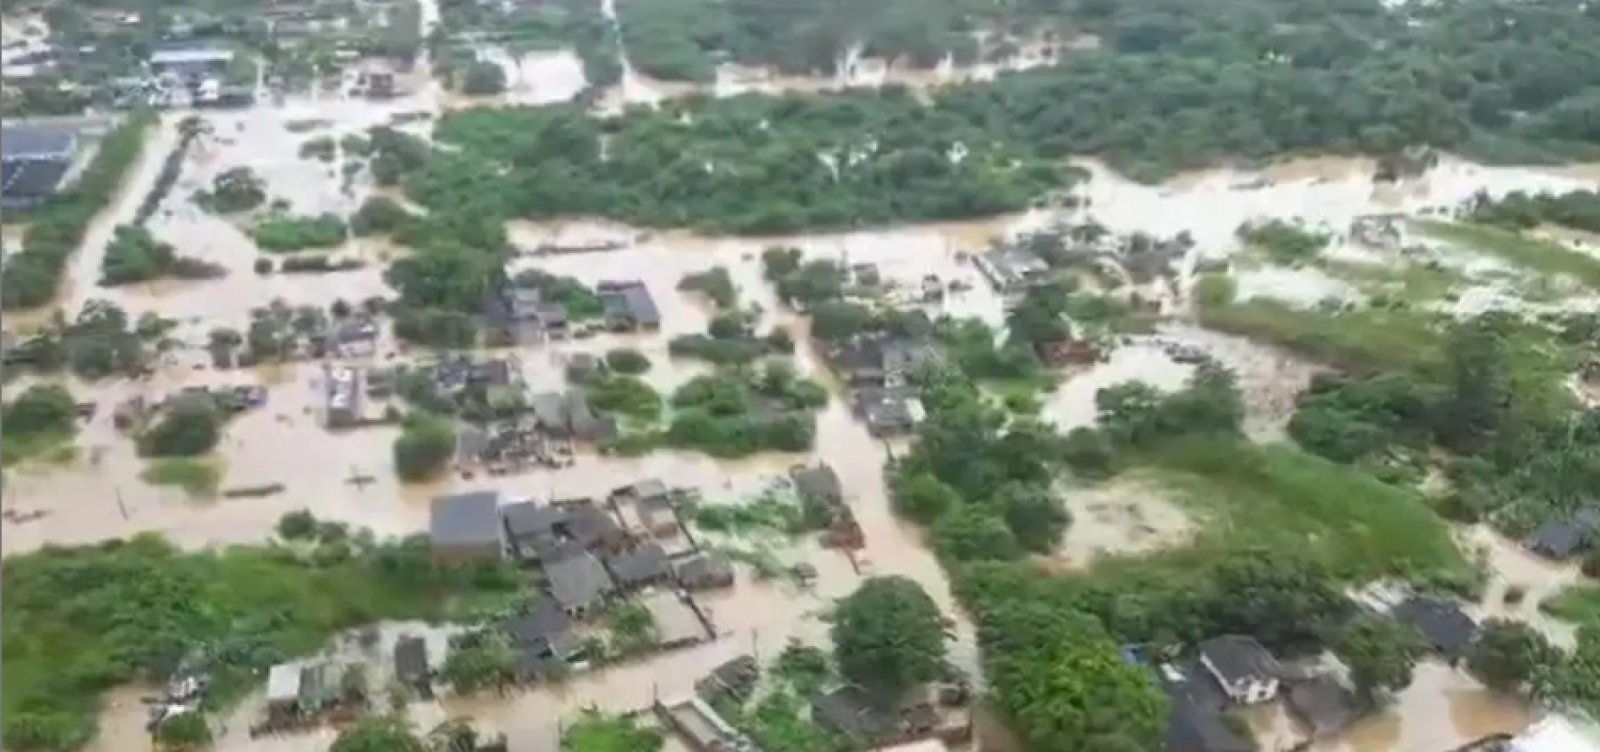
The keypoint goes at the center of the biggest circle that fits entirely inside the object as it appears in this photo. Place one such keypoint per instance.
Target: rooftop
(24, 141)
(1322, 704)
(639, 566)
(1442, 623)
(191, 55)
(631, 299)
(465, 519)
(1238, 657)
(32, 179)
(819, 481)
(411, 658)
(676, 623)
(578, 581)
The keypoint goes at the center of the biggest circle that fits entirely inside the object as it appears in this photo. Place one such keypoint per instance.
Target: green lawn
(1579, 604)
(1367, 339)
(1283, 498)
(1535, 254)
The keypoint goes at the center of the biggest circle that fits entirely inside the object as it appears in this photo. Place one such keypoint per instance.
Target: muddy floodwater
(101, 496)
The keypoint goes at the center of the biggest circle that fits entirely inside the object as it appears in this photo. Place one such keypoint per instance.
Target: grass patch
(1579, 604)
(50, 447)
(82, 620)
(1367, 339)
(1412, 284)
(1544, 256)
(1282, 498)
(198, 477)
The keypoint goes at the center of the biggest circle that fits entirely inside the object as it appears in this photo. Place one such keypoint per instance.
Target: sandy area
(1126, 517)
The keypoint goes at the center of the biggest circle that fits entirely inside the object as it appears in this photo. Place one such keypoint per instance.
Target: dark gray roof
(639, 566)
(1195, 729)
(1322, 704)
(544, 622)
(1560, 539)
(526, 519)
(818, 481)
(31, 180)
(851, 711)
(1442, 623)
(1239, 657)
(704, 570)
(578, 581)
(631, 299)
(411, 658)
(466, 519)
(35, 141)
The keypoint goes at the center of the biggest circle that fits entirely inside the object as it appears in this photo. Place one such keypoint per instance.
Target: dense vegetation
(424, 447)
(233, 190)
(752, 164)
(134, 255)
(282, 233)
(81, 620)
(189, 428)
(1518, 210)
(55, 230)
(98, 343)
(42, 417)
(888, 637)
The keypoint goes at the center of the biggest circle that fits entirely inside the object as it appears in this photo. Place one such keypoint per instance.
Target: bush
(285, 233)
(235, 190)
(436, 327)
(424, 447)
(189, 429)
(134, 255)
(624, 394)
(483, 78)
(321, 148)
(715, 283)
(263, 266)
(627, 361)
(198, 478)
(378, 215)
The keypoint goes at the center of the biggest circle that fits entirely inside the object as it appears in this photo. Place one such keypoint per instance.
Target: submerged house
(1564, 538)
(629, 305)
(1444, 626)
(466, 527)
(1246, 671)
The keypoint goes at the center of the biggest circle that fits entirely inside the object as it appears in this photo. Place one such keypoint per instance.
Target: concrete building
(466, 527)
(33, 161)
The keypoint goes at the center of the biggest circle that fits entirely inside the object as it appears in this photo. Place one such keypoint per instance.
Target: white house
(1244, 669)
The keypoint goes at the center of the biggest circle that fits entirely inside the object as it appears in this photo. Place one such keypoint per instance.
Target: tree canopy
(888, 636)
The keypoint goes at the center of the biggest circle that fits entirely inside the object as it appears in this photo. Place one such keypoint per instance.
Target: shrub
(191, 428)
(424, 447)
(627, 361)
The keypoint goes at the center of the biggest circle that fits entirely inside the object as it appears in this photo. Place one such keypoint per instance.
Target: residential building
(1245, 670)
(544, 639)
(817, 482)
(1197, 720)
(646, 509)
(579, 584)
(855, 715)
(639, 567)
(736, 678)
(33, 161)
(703, 571)
(466, 527)
(677, 623)
(888, 411)
(1323, 706)
(1444, 626)
(343, 397)
(1564, 538)
(629, 305)
(1012, 270)
(283, 690)
(702, 727)
(191, 63)
(411, 665)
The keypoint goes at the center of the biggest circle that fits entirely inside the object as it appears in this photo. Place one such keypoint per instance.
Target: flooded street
(101, 496)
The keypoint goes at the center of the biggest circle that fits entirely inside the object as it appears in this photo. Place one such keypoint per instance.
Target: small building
(1444, 626)
(543, 634)
(676, 622)
(1322, 705)
(818, 482)
(703, 572)
(1195, 729)
(629, 305)
(702, 727)
(1244, 669)
(583, 368)
(191, 63)
(1562, 539)
(854, 714)
(639, 567)
(888, 411)
(1012, 270)
(343, 397)
(411, 665)
(466, 527)
(579, 584)
(33, 161)
(283, 690)
(734, 679)
(647, 509)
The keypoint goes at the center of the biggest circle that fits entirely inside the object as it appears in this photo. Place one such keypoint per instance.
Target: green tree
(40, 409)
(924, 498)
(888, 636)
(1033, 513)
(1061, 680)
(190, 428)
(594, 731)
(483, 78)
(626, 360)
(186, 731)
(1575, 679)
(424, 447)
(1380, 655)
(974, 533)
(634, 626)
(1506, 654)
(378, 733)
(480, 661)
